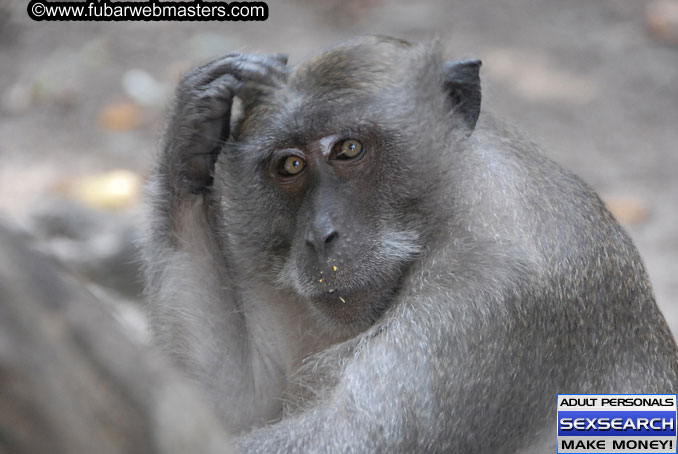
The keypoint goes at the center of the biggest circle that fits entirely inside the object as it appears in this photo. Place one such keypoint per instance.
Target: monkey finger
(262, 68)
(203, 74)
(250, 90)
(197, 170)
(277, 61)
(217, 97)
(204, 67)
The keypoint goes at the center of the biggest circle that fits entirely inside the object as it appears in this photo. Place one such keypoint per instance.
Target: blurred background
(82, 106)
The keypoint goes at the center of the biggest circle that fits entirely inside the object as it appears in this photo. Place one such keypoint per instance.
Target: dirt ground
(584, 78)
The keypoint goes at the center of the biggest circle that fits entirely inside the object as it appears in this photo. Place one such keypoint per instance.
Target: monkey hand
(201, 118)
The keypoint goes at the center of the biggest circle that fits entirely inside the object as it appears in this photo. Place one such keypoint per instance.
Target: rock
(74, 381)
(144, 89)
(211, 45)
(627, 209)
(537, 78)
(113, 190)
(121, 116)
(662, 19)
(18, 98)
(98, 245)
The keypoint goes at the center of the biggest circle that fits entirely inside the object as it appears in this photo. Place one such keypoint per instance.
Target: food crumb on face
(342, 300)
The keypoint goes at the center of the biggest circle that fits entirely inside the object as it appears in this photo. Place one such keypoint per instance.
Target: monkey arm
(193, 301)
(396, 398)
(435, 375)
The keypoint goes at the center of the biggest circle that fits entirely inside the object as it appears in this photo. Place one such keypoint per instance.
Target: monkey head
(327, 179)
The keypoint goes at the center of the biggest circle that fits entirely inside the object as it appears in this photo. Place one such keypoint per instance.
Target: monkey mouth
(337, 288)
(330, 290)
(338, 295)
(342, 291)
(345, 291)
(354, 307)
(337, 283)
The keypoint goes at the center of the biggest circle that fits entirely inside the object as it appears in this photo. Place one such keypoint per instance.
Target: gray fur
(485, 278)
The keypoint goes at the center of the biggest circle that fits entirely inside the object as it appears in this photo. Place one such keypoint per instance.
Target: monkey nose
(320, 239)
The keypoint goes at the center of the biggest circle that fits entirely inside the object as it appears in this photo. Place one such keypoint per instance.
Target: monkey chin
(351, 308)
(346, 300)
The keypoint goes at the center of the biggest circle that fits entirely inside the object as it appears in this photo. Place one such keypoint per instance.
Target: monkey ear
(461, 81)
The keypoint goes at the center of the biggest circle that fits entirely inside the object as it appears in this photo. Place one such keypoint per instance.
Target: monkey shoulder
(535, 199)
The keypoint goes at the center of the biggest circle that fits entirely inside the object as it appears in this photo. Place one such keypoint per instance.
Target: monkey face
(326, 179)
(330, 232)
(344, 258)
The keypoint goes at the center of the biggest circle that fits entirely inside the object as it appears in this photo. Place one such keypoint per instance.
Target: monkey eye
(291, 165)
(349, 149)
